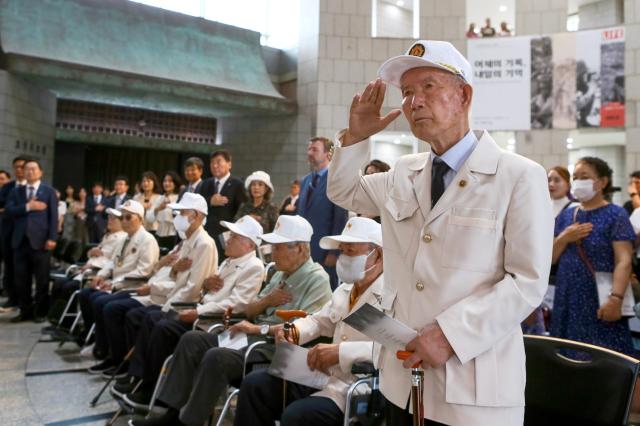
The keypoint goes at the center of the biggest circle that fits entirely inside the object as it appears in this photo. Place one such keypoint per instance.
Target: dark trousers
(157, 339)
(114, 313)
(395, 415)
(200, 373)
(132, 324)
(260, 403)
(95, 230)
(92, 303)
(30, 264)
(8, 279)
(63, 288)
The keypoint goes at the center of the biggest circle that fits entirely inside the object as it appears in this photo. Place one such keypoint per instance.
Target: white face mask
(583, 189)
(350, 269)
(181, 223)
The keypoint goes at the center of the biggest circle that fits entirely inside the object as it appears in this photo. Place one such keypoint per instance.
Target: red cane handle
(288, 315)
(405, 355)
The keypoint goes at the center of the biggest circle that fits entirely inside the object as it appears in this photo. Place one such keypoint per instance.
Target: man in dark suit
(6, 232)
(224, 194)
(325, 217)
(120, 193)
(95, 207)
(193, 169)
(34, 208)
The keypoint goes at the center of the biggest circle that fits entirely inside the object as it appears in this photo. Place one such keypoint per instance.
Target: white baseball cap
(113, 212)
(191, 201)
(289, 229)
(245, 226)
(357, 230)
(259, 176)
(132, 206)
(427, 53)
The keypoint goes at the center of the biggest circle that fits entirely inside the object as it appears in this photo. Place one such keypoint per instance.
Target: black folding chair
(594, 388)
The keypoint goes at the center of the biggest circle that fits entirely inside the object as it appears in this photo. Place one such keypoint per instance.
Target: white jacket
(477, 264)
(136, 261)
(242, 278)
(354, 346)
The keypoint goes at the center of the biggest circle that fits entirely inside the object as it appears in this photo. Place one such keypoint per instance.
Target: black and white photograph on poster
(541, 83)
(564, 80)
(612, 80)
(588, 79)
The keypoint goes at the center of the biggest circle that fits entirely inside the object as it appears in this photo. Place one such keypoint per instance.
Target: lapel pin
(462, 183)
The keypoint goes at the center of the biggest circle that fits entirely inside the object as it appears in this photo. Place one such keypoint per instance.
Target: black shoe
(99, 368)
(140, 399)
(119, 390)
(21, 318)
(9, 304)
(39, 320)
(170, 418)
(126, 380)
(118, 373)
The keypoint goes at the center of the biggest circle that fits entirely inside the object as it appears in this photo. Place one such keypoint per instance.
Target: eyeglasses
(127, 216)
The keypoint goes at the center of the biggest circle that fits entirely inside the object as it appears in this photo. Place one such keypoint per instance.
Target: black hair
(223, 153)
(635, 174)
(5, 173)
(122, 177)
(194, 161)
(177, 182)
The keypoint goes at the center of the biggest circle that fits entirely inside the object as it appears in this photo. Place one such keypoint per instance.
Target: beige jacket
(242, 278)
(110, 242)
(135, 261)
(202, 251)
(354, 346)
(477, 264)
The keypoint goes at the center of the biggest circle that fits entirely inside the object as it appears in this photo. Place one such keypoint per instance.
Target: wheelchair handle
(288, 315)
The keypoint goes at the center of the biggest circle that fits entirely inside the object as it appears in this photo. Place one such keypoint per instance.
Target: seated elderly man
(360, 269)
(182, 282)
(133, 259)
(98, 258)
(200, 370)
(236, 284)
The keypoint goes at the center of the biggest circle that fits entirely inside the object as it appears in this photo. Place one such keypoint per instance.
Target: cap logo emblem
(349, 225)
(417, 50)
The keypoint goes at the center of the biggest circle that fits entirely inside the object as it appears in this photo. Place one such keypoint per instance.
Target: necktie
(96, 199)
(30, 193)
(438, 171)
(190, 189)
(314, 181)
(216, 186)
(121, 255)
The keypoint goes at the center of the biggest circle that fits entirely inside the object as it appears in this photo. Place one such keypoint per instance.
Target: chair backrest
(576, 383)
(72, 252)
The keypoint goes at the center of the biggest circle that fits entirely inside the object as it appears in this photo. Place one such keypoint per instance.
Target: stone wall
(27, 122)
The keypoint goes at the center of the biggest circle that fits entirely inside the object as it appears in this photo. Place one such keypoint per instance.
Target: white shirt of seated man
(239, 277)
(101, 255)
(135, 257)
(359, 268)
(181, 279)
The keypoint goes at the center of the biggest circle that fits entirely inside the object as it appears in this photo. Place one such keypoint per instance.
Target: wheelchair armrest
(220, 317)
(184, 305)
(364, 367)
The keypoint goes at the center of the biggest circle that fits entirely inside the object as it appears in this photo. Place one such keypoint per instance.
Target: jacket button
(419, 286)
(427, 238)
(344, 337)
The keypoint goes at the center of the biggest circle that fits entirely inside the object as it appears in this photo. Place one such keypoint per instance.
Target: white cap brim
(393, 69)
(124, 209)
(274, 238)
(178, 206)
(114, 212)
(332, 242)
(236, 230)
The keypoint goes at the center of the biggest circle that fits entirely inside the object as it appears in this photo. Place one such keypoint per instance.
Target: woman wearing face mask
(595, 236)
(259, 205)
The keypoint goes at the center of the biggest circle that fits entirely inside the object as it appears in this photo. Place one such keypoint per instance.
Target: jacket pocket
(471, 240)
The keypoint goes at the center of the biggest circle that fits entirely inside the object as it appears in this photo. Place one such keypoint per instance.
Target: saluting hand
(364, 115)
(576, 232)
(213, 283)
(35, 206)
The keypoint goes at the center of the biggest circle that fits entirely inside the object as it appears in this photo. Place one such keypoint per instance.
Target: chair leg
(159, 383)
(226, 406)
(66, 309)
(89, 334)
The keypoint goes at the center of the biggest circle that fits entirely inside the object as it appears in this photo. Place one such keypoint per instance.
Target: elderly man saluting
(467, 231)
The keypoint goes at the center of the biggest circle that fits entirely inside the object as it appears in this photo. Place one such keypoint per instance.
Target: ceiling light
(502, 8)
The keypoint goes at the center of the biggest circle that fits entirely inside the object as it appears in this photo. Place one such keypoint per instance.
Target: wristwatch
(264, 329)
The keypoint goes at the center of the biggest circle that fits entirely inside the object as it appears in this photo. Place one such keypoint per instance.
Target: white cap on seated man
(360, 268)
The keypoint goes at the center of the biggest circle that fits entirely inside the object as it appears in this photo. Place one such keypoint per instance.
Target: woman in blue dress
(606, 235)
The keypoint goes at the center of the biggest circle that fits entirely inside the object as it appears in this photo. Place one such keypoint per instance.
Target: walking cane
(289, 331)
(94, 401)
(417, 388)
